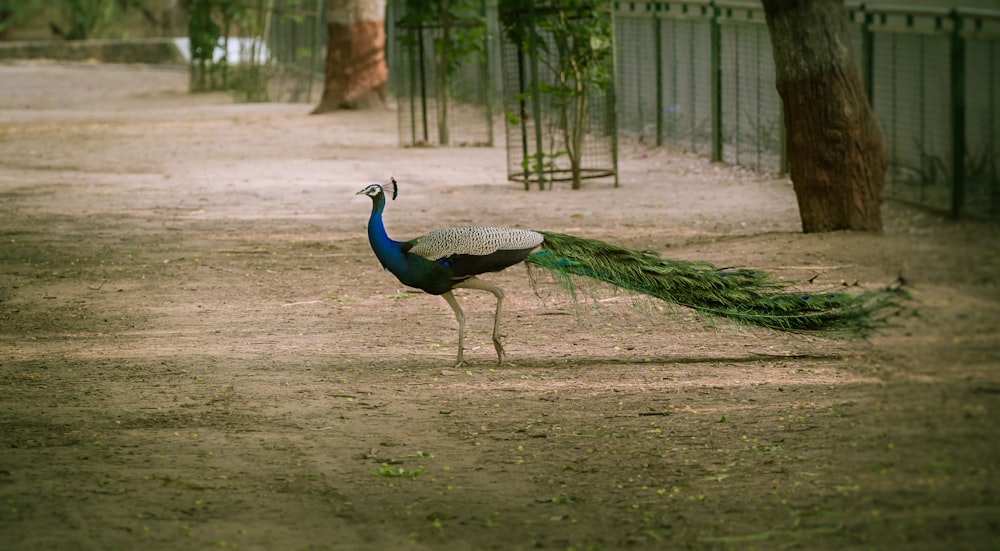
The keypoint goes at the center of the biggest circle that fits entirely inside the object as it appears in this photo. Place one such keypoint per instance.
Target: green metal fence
(933, 77)
(699, 76)
(752, 126)
(706, 85)
(981, 173)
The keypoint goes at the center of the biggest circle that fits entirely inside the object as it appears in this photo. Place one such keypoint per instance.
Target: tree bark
(835, 145)
(356, 74)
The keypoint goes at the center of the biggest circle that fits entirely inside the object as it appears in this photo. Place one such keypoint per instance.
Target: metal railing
(699, 76)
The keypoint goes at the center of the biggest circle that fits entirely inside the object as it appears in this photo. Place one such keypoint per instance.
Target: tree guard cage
(441, 72)
(559, 102)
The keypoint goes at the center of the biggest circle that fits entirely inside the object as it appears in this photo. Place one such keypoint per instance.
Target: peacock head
(375, 190)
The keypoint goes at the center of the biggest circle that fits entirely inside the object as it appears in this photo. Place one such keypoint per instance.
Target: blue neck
(410, 269)
(388, 252)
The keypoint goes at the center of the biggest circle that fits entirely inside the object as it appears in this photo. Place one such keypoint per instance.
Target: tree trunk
(835, 145)
(356, 73)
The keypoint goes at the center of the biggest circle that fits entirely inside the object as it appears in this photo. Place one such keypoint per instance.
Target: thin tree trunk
(356, 73)
(835, 146)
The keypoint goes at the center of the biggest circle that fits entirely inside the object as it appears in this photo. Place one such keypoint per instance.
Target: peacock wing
(471, 250)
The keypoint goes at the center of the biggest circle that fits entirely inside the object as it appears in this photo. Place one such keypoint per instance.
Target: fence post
(715, 47)
(486, 74)
(783, 165)
(613, 98)
(423, 82)
(658, 49)
(317, 28)
(957, 115)
(867, 56)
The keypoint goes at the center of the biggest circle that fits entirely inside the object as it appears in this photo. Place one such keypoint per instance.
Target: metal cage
(441, 72)
(559, 101)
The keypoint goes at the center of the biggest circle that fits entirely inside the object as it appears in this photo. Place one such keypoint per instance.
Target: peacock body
(438, 261)
(451, 258)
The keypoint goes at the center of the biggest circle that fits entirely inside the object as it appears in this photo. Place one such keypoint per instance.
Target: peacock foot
(500, 352)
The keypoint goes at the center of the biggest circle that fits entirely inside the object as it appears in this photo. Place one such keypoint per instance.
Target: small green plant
(12, 12)
(530, 163)
(204, 34)
(248, 81)
(981, 181)
(388, 471)
(83, 19)
(210, 24)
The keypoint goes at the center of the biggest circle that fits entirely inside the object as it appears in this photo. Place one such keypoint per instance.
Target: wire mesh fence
(636, 76)
(296, 41)
(982, 126)
(752, 127)
(911, 95)
(706, 84)
(686, 110)
(933, 83)
(914, 114)
(699, 76)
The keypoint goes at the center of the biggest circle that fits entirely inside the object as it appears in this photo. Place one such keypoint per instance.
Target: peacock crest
(374, 190)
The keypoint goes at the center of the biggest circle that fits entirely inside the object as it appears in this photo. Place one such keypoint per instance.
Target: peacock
(451, 258)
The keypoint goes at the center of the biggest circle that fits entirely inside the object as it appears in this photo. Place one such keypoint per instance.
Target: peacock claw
(500, 351)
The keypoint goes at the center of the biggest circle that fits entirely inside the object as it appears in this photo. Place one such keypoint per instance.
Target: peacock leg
(460, 317)
(473, 283)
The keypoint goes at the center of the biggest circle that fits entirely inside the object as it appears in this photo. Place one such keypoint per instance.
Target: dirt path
(198, 350)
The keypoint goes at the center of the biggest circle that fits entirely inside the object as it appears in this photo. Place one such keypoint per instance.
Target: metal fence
(933, 76)
(700, 76)
(705, 85)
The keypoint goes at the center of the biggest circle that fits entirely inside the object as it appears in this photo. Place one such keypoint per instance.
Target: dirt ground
(199, 350)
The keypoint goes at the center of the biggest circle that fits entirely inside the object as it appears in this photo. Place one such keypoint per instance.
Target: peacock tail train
(740, 295)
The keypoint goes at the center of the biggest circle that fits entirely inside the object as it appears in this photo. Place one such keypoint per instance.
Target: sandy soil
(199, 350)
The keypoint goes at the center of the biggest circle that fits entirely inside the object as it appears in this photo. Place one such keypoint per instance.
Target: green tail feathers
(740, 295)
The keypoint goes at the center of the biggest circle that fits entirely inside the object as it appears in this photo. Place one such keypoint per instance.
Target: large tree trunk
(834, 142)
(356, 73)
